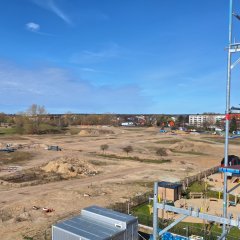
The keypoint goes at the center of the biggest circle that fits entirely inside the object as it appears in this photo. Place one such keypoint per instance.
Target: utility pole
(155, 212)
(229, 68)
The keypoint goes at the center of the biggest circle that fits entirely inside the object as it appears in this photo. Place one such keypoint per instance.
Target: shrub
(104, 147)
(161, 152)
(128, 149)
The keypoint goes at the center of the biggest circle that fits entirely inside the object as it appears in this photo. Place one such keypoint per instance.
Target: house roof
(169, 185)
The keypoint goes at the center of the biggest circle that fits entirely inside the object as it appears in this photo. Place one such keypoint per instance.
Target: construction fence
(197, 177)
(133, 202)
(128, 206)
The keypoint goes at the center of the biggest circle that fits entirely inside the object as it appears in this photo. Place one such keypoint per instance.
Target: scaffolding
(226, 220)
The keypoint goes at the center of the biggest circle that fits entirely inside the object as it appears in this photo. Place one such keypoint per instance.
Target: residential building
(199, 120)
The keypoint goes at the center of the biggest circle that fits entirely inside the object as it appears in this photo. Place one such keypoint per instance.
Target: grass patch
(200, 230)
(170, 141)
(27, 238)
(157, 161)
(235, 141)
(15, 157)
(200, 187)
(141, 210)
(45, 128)
(197, 187)
(216, 139)
(189, 152)
(9, 130)
(199, 140)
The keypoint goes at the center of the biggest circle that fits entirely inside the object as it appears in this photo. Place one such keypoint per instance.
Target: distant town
(34, 121)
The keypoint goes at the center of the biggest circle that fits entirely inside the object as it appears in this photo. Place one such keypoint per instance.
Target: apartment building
(198, 120)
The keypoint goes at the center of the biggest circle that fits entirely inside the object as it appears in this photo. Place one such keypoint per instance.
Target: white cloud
(61, 91)
(50, 5)
(33, 27)
(59, 13)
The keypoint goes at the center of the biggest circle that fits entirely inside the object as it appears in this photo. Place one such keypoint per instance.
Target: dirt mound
(37, 145)
(94, 132)
(190, 147)
(70, 167)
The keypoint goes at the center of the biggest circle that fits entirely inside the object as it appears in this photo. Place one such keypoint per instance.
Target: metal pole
(224, 234)
(155, 212)
(178, 220)
(227, 116)
(204, 216)
(128, 207)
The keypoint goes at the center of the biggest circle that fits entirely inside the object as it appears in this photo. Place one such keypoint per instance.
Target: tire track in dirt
(25, 193)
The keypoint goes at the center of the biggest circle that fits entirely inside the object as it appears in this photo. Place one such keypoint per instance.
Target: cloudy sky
(121, 56)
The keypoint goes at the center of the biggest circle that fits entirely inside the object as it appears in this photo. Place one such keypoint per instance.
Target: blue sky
(121, 56)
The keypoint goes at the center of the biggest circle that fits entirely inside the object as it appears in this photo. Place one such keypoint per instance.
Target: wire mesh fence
(131, 203)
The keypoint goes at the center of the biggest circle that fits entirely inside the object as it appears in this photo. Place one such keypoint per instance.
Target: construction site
(123, 182)
(39, 186)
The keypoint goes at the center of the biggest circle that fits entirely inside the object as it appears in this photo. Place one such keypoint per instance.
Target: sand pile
(85, 133)
(190, 147)
(94, 132)
(70, 167)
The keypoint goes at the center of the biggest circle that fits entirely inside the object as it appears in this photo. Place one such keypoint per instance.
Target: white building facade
(198, 120)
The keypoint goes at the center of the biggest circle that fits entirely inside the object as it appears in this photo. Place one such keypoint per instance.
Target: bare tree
(128, 149)
(41, 110)
(35, 110)
(32, 110)
(104, 147)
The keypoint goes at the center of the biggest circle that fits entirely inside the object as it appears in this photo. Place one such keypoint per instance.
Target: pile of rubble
(70, 167)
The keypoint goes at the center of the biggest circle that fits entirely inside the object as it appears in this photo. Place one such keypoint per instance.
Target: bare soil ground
(81, 174)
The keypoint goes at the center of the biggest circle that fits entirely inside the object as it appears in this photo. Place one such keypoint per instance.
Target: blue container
(170, 236)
